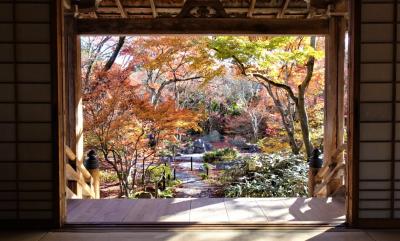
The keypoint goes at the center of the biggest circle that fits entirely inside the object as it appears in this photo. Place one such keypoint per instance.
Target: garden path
(193, 186)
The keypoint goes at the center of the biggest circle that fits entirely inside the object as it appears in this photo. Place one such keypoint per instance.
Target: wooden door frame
(80, 27)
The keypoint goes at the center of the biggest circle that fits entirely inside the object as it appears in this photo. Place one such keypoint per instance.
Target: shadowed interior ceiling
(267, 9)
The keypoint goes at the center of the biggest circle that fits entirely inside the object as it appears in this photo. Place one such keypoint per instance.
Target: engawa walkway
(206, 210)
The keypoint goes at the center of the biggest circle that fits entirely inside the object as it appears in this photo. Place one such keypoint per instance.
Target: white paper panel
(398, 112)
(398, 92)
(375, 112)
(376, 131)
(7, 72)
(374, 185)
(34, 132)
(34, 92)
(38, 205)
(374, 214)
(8, 171)
(33, 32)
(377, 13)
(35, 171)
(34, 151)
(8, 196)
(4, 205)
(35, 195)
(376, 72)
(376, 92)
(7, 112)
(7, 186)
(7, 52)
(8, 151)
(35, 215)
(7, 92)
(6, 31)
(376, 32)
(398, 131)
(8, 215)
(6, 13)
(24, 12)
(376, 52)
(375, 151)
(374, 170)
(34, 112)
(7, 131)
(34, 72)
(31, 186)
(374, 195)
(397, 151)
(374, 204)
(33, 52)
(397, 170)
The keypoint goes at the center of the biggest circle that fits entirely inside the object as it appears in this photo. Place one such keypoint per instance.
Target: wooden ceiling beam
(284, 7)
(93, 14)
(251, 8)
(121, 9)
(258, 11)
(205, 26)
(153, 8)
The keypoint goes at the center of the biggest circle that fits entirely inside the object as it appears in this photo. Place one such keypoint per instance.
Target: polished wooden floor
(314, 234)
(206, 210)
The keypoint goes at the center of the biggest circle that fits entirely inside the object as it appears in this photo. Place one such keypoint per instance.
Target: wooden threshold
(205, 213)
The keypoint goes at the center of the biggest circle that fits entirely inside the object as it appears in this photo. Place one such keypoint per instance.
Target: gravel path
(192, 184)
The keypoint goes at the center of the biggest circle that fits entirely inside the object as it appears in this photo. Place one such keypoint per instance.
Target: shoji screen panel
(27, 132)
(379, 113)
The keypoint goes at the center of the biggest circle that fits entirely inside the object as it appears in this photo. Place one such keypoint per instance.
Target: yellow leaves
(271, 145)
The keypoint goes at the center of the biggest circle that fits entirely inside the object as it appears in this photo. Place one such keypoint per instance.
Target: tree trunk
(287, 124)
(115, 53)
(301, 105)
(303, 117)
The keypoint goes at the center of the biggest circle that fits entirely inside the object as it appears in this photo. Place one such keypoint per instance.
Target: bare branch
(279, 85)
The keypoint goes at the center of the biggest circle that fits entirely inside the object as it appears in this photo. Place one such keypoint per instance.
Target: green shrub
(108, 176)
(226, 154)
(203, 176)
(156, 173)
(174, 183)
(142, 194)
(272, 175)
(167, 193)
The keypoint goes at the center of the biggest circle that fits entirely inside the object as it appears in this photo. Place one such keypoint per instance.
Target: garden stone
(214, 136)
(188, 150)
(209, 146)
(251, 148)
(199, 146)
(239, 142)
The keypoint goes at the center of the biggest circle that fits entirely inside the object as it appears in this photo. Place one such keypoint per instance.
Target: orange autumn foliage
(125, 127)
